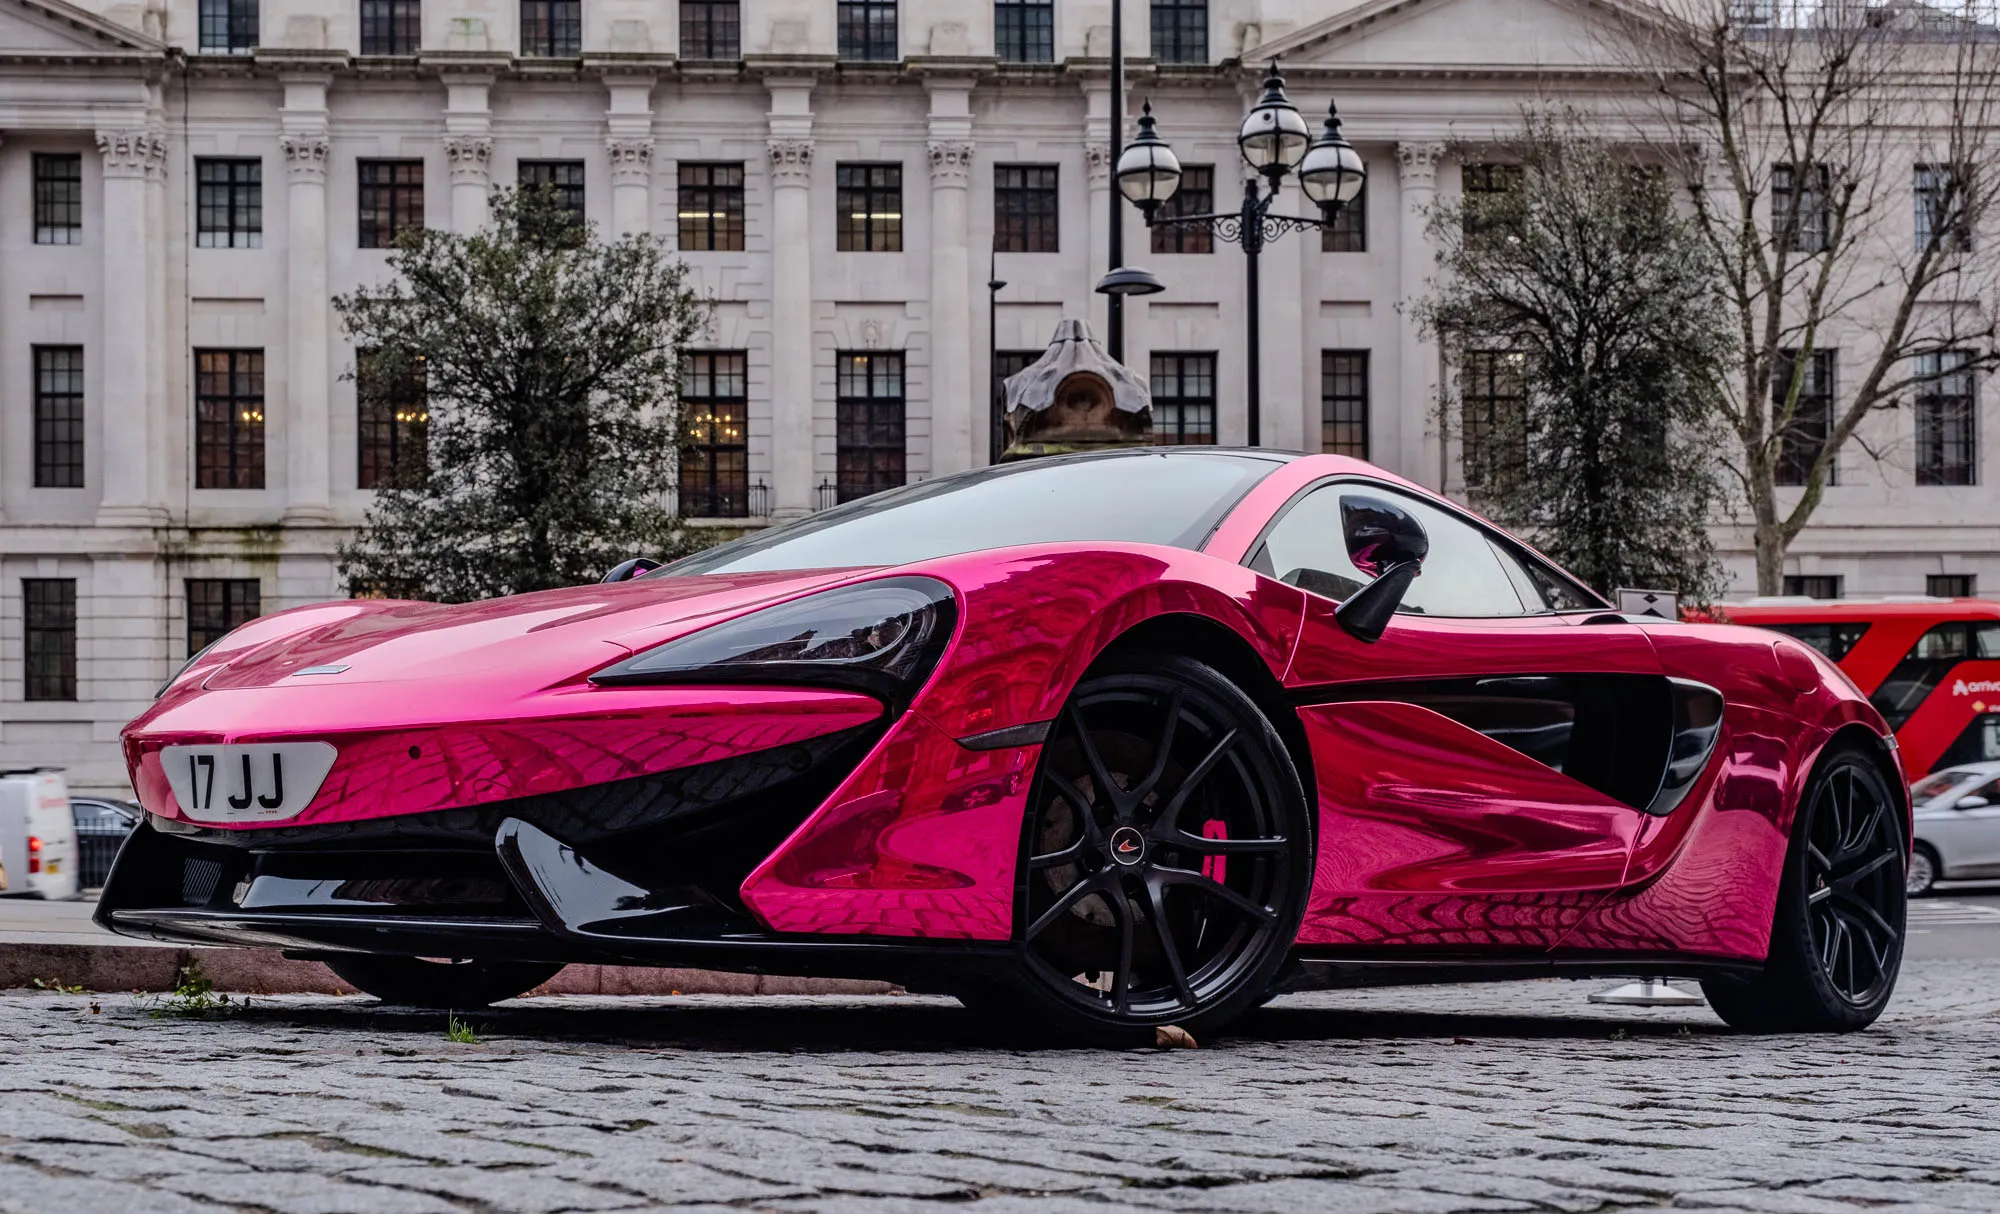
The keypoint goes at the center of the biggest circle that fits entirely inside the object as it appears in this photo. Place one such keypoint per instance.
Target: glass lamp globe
(1148, 171)
(1332, 172)
(1274, 135)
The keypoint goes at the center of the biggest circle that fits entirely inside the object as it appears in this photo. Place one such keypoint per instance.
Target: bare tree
(1841, 163)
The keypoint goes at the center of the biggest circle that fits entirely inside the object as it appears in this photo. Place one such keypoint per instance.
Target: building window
(1486, 187)
(1813, 585)
(868, 30)
(1343, 402)
(391, 27)
(1024, 208)
(1195, 197)
(1180, 31)
(1024, 31)
(1947, 409)
(48, 608)
(552, 29)
(1941, 209)
(1951, 585)
(1493, 416)
(1802, 439)
(1800, 198)
(868, 423)
(394, 423)
(565, 177)
(1006, 364)
(228, 27)
(1183, 398)
(392, 200)
(711, 207)
(870, 198)
(1346, 227)
(715, 463)
(229, 419)
(711, 29)
(58, 417)
(215, 605)
(229, 203)
(58, 198)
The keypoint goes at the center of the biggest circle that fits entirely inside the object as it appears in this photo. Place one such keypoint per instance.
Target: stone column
(792, 436)
(471, 159)
(952, 395)
(1097, 174)
(631, 185)
(1407, 431)
(130, 497)
(308, 367)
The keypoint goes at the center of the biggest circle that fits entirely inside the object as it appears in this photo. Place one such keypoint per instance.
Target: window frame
(58, 195)
(227, 27)
(1927, 181)
(703, 15)
(242, 455)
(1946, 422)
(233, 598)
(721, 224)
(390, 452)
(40, 684)
(859, 36)
(557, 29)
(404, 201)
(1951, 585)
(1181, 401)
(1809, 198)
(572, 196)
(1799, 585)
(1530, 561)
(872, 479)
(1328, 400)
(58, 411)
(1027, 210)
(391, 27)
(1344, 226)
(1028, 34)
(240, 206)
(1476, 443)
(1175, 239)
(702, 446)
(876, 222)
(1798, 451)
(1180, 31)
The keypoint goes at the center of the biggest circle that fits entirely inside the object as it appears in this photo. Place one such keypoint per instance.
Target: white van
(37, 835)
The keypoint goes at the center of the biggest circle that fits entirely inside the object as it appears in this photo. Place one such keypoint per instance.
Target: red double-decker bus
(1932, 666)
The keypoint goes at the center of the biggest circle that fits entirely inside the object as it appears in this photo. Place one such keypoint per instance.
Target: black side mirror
(627, 570)
(1387, 543)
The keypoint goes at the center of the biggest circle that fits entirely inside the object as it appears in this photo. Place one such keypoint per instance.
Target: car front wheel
(1837, 939)
(1168, 855)
(422, 982)
(1924, 870)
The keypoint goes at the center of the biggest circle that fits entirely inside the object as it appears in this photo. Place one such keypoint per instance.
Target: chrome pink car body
(1432, 837)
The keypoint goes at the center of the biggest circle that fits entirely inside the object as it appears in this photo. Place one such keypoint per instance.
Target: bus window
(1979, 743)
(1833, 640)
(1928, 661)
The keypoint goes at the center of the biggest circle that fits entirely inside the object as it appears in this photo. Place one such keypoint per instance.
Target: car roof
(1800, 610)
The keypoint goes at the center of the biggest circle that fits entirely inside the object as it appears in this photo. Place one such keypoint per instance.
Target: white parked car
(37, 835)
(1958, 825)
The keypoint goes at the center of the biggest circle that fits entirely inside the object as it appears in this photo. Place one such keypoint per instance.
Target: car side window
(1989, 790)
(1463, 577)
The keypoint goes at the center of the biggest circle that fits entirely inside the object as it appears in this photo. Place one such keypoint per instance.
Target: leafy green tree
(1580, 309)
(549, 363)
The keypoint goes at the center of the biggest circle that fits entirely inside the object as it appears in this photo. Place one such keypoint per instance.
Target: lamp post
(996, 404)
(1274, 141)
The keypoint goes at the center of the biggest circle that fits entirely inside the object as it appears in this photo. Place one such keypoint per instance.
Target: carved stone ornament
(1075, 398)
(1419, 163)
(1097, 162)
(791, 161)
(951, 162)
(305, 157)
(133, 153)
(471, 158)
(631, 160)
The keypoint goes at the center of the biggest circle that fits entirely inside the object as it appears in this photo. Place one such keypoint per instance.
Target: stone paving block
(36, 1191)
(307, 1193)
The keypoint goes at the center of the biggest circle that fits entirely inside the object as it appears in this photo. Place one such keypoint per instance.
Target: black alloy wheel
(1837, 942)
(1168, 853)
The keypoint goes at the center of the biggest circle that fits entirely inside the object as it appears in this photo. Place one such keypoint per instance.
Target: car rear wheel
(1924, 870)
(422, 982)
(1837, 940)
(1167, 856)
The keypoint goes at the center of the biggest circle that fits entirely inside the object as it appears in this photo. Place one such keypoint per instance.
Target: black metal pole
(996, 399)
(1253, 244)
(1114, 305)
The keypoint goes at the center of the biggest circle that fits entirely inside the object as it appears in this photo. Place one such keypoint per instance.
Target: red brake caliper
(1215, 868)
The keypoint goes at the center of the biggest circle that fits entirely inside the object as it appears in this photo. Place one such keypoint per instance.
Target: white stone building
(183, 185)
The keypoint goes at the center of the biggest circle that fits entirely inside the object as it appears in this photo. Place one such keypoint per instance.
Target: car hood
(525, 641)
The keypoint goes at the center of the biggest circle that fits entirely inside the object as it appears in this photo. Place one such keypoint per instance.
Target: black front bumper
(637, 872)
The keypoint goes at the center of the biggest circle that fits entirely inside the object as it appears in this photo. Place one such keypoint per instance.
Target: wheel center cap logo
(1128, 846)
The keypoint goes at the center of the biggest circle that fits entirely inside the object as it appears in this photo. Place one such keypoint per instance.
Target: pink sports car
(1108, 741)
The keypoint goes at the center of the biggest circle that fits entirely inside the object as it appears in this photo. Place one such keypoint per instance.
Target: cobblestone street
(1516, 1097)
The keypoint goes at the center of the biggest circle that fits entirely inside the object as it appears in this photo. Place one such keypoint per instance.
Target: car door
(1967, 835)
(1484, 767)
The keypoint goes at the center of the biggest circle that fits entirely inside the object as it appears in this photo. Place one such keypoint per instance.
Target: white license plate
(250, 782)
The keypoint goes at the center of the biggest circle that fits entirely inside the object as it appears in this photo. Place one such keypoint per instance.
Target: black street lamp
(1274, 141)
(997, 404)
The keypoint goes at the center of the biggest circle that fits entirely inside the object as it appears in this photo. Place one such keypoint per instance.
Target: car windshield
(1174, 498)
(1940, 782)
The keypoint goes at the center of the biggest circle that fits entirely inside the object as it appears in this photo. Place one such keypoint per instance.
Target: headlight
(175, 677)
(880, 637)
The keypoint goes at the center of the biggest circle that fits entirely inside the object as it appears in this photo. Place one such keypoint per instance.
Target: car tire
(1925, 869)
(421, 982)
(1837, 936)
(1166, 857)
